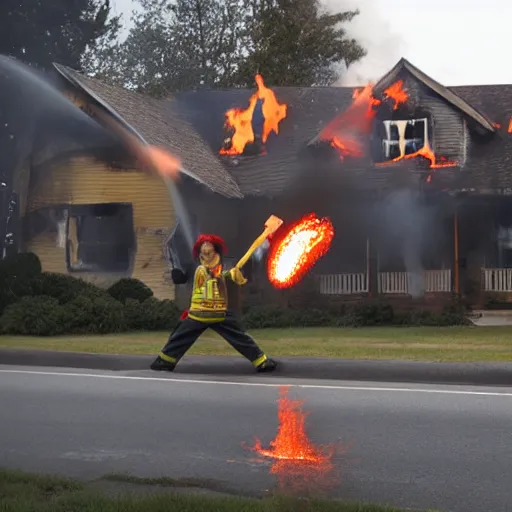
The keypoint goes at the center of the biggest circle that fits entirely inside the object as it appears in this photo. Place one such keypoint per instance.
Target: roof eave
(439, 89)
(70, 78)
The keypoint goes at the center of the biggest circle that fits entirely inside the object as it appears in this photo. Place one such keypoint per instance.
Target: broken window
(403, 137)
(100, 238)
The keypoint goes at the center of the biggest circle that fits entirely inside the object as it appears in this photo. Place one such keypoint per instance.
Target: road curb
(480, 374)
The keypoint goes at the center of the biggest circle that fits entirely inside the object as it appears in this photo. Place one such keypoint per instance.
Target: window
(403, 137)
(100, 238)
(504, 240)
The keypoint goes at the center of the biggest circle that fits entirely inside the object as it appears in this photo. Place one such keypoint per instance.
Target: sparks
(293, 255)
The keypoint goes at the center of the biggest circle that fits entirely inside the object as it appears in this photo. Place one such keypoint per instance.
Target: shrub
(16, 277)
(363, 314)
(64, 288)
(87, 314)
(126, 289)
(24, 265)
(39, 316)
(151, 314)
(367, 314)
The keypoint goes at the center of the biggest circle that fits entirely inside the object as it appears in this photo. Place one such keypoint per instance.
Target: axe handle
(243, 260)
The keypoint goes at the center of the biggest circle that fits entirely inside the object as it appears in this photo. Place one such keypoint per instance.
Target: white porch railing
(438, 281)
(497, 279)
(343, 284)
(435, 281)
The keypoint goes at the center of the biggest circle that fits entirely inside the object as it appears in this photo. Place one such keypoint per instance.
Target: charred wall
(448, 130)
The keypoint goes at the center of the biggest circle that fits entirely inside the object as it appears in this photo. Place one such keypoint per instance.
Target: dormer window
(403, 137)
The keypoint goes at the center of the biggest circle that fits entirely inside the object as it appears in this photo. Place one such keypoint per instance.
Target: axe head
(272, 224)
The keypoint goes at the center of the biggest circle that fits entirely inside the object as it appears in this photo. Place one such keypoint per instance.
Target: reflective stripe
(206, 319)
(167, 358)
(260, 360)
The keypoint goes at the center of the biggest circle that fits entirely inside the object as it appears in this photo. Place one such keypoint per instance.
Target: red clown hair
(217, 242)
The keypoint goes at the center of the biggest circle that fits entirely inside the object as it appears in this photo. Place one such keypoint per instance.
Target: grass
(22, 492)
(444, 344)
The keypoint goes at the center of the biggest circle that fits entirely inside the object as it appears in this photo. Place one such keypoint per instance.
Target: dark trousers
(188, 330)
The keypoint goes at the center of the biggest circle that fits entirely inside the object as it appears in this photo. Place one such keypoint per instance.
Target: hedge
(39, 303)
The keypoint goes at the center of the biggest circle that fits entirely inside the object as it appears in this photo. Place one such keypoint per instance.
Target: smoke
(261, 250)
(374, 33)
(408, 220)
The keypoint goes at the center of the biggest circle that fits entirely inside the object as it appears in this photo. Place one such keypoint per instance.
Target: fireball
(293, 255)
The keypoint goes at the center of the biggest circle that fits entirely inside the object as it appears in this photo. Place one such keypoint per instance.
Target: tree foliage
(296, 42)
(41, 32)
(177, 45)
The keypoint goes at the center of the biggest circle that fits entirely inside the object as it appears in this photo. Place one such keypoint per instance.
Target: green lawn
(448, 344)
(21, 492)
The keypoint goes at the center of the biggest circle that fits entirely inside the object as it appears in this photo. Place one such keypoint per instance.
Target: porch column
(456, 262)
(372, 268)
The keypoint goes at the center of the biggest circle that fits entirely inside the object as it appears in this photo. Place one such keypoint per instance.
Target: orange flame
(425, 152)
(297, 250)
(241, 120)
(344, 131)
(397, 93)
(510, 126)
(294, 454)
(497, 125)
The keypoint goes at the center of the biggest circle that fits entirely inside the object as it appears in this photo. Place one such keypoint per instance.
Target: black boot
(161, 365)
(269, 365)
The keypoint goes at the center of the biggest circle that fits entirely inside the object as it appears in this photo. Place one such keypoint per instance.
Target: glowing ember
(497, 125)
(298, 249)
(241, 120)
(510, 126)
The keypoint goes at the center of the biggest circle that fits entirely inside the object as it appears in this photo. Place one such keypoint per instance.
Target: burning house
(415, 177)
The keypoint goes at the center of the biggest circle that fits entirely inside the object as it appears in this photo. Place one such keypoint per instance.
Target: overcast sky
(456, 42)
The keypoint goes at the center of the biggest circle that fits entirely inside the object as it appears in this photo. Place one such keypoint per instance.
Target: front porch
(493, 280)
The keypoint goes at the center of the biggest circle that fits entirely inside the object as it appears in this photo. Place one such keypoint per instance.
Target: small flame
(497, 126)
(295, 456)
(241, 120)
(298, 249)
(510, 126)
(397, 93)
(425, 152)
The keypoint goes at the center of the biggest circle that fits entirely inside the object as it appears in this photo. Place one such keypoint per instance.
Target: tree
(178, 45)
(296, 42)
(41, 32)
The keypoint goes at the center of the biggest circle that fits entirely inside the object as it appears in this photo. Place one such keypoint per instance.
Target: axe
(272, 224)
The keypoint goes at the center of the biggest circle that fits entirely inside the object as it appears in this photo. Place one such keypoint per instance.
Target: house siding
(84, 181)
(448, 138)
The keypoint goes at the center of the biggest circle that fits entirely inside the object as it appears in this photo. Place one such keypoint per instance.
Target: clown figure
(209, 309)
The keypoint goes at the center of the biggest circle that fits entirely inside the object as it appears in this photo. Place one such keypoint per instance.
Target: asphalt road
(448, 448)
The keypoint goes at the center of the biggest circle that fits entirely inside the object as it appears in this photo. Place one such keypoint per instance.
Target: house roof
(145, 116)
(445, 92)
(308, 110)
(191, 125)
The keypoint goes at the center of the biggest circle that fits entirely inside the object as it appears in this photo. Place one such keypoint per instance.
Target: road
(424, 447)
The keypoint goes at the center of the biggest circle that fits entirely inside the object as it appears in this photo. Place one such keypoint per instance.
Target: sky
(456, 42)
